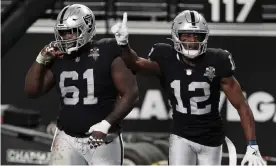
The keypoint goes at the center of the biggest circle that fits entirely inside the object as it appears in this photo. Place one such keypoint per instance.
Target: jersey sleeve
(111, 44)
(227, 64)
(158, 53)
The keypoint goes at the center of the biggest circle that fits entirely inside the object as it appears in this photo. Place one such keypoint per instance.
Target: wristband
(252, 142)
(40, 59)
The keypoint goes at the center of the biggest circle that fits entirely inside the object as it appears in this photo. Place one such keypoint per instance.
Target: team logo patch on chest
(94, 52)
(210, 72)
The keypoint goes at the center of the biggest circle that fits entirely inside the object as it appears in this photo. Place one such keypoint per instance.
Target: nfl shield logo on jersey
(94, 52)
(77, 59)
(188, 72)
(210, 72)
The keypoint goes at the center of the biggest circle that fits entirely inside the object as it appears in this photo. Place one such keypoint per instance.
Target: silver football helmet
(77, 20)
(190, 22)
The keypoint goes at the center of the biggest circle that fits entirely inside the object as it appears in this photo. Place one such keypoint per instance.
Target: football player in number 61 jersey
(192, 76)
(96, 90)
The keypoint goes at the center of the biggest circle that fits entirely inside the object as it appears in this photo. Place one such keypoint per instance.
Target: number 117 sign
(233, 11)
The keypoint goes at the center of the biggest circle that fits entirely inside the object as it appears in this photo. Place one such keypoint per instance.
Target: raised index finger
(124, 18)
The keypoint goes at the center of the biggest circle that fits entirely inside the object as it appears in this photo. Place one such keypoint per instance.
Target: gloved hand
(98, 133)
(48, 53)
(120, 31)
(253, 156)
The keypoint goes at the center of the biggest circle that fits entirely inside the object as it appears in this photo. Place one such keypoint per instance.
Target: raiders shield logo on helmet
(88, 20)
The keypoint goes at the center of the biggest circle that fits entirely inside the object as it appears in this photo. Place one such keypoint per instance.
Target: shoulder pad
(159, 52)
(218, 52)
(107, 40)
(213, 50)
(162, 45)
(223, 53)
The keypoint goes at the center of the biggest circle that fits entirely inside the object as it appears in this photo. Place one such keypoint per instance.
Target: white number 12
(193, 100)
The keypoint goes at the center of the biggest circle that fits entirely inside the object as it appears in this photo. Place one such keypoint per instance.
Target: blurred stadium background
(247, 28)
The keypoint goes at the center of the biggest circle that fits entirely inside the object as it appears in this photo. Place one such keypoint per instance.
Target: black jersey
(85, 85)
(194, 92)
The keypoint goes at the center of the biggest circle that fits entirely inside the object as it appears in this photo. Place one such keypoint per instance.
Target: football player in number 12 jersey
(192, 76)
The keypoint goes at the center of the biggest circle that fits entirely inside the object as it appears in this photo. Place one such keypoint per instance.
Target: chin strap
(70, 50)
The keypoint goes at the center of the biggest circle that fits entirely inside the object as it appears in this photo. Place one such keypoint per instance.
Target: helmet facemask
(77, 40)
(190, 48)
